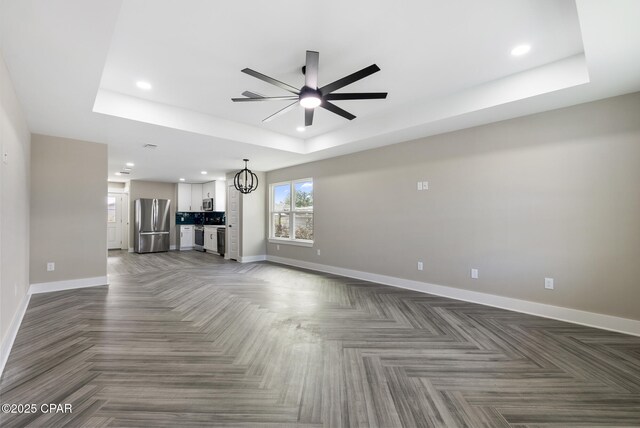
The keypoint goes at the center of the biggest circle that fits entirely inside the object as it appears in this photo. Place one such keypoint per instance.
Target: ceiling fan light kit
(310, 95)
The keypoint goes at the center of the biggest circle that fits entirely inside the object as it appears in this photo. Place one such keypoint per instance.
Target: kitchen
(199, 219)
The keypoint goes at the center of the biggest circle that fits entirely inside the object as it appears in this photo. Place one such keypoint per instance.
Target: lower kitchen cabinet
(211, 239)
(185, 237)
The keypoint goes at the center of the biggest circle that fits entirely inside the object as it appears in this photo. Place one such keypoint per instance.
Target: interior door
(114, 221)
(233, 223)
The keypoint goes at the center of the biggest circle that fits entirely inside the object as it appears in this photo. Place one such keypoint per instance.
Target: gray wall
(139, 189)
(15, 140)
(252, 213)
(68, 209)
(554, 194)
(252, 218)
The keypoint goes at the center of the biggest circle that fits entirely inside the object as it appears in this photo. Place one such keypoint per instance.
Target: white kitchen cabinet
(220, 195)
(184, 197)
(209, 190)
(196, 197)
(186, 237)
(211, 239)
(216, 190)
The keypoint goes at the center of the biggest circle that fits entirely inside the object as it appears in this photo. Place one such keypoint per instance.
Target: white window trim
(292, 240)
(285, 241)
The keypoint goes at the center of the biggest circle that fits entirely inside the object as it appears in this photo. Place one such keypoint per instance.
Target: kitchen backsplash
(207, 217)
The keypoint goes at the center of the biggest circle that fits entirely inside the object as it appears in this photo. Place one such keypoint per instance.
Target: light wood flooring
(187, 339)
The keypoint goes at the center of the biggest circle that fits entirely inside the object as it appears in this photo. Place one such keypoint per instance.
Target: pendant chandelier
(245, 181)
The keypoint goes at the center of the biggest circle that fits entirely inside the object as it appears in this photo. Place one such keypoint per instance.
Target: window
(111, 209)
(292, 212)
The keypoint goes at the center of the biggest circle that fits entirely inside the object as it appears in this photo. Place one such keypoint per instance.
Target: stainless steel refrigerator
(151, 233)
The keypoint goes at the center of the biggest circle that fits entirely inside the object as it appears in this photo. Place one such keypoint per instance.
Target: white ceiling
(446, 66)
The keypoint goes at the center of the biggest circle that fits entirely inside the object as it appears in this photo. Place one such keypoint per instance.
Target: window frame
(292, 240)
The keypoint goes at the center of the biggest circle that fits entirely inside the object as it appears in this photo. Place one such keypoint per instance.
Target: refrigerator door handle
(154, 233)
(154, 213)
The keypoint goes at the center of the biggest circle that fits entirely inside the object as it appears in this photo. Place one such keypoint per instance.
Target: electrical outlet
(420, 266)
(51, 266)
(474, 273)
(318, 251)
(548, 283)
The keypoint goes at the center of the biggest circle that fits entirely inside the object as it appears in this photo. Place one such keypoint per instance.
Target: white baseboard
(10, 337)
(590, 319)
(171, 248)
(47, 287)
(249, 259)
(43, 287)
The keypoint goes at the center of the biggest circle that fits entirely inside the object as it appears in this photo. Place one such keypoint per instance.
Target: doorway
(114, 221)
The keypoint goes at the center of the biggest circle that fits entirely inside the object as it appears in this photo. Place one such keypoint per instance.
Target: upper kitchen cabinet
(215, 190)
(209, 190)
(190, 196)
(184, 197)
(220, 195)
(196, 197)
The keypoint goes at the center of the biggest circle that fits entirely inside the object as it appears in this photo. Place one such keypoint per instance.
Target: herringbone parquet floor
(187, 339)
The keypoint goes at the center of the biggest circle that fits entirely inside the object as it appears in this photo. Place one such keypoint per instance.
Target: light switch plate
(474, 273)
(51, 266)
(548, 283)
(420, 266)
(419, 185)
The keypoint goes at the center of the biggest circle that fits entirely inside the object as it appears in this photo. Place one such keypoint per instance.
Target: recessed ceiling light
(181, 179)
(145, 86)
(520, 50)
(203, 172)
(301, 129)
(130, 164)
(118, 173)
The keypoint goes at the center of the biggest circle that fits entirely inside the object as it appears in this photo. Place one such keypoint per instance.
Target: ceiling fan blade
(271, 80)
(347, 80)
(264, 99)
(337, 110)
(280, 112)
(250, 94)
(308, 116)
(357, 96)
(311, 70)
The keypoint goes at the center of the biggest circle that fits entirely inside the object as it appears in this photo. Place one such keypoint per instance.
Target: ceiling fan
(310, 95)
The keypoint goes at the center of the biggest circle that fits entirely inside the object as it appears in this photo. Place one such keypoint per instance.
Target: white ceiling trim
(128, 107)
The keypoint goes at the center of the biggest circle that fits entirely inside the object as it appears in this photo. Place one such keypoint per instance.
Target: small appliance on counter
(214, 218)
